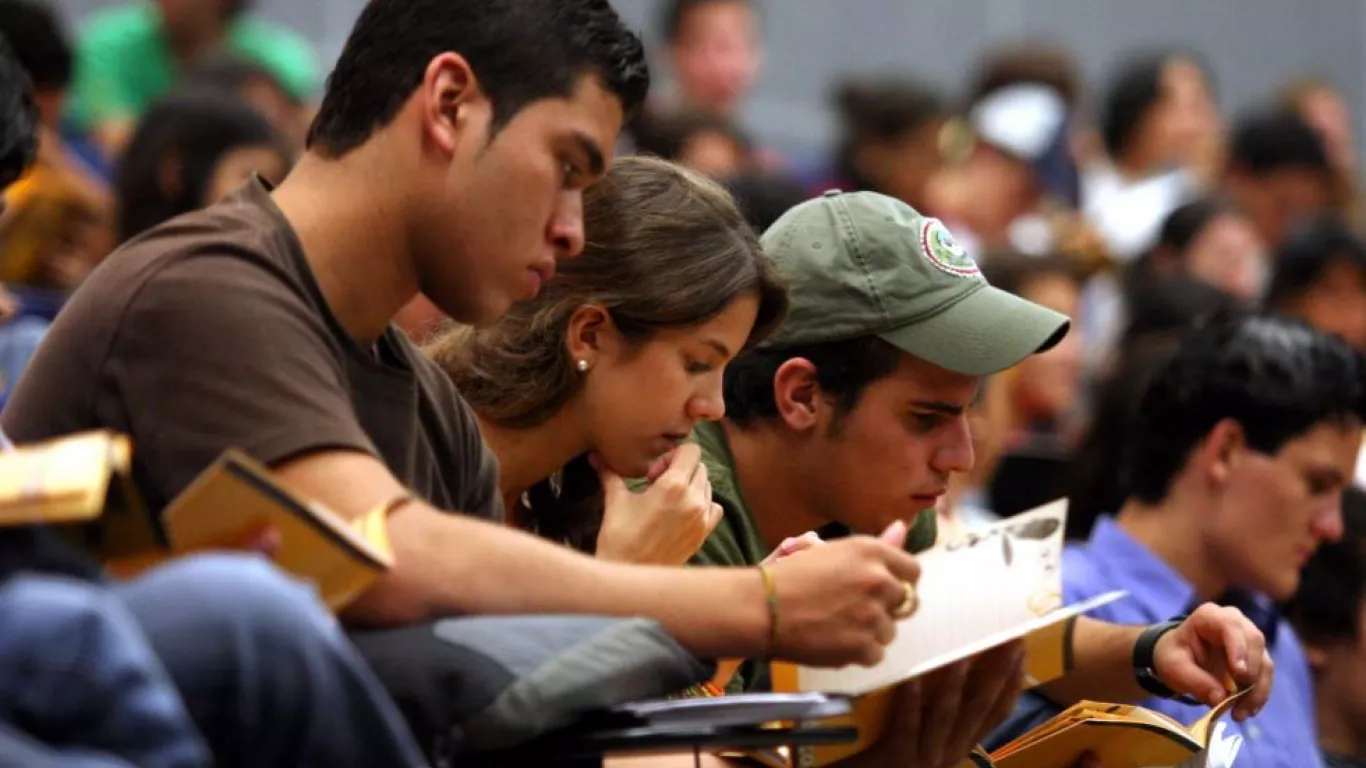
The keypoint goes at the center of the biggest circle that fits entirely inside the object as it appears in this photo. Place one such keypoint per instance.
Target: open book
(989, 587)
(82, 486)
(1121, 736)
(236, 497)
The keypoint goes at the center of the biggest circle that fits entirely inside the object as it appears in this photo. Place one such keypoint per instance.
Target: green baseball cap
(863, 264)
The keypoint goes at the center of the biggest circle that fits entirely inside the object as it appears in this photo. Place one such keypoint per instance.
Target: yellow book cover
(83, 487)
(1122, 736)
(986, 588)
(237, 496)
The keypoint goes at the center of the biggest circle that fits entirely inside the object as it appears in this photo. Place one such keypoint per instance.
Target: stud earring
(582, 365)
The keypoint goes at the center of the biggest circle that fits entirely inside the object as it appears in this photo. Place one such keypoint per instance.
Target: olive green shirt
(737, 541)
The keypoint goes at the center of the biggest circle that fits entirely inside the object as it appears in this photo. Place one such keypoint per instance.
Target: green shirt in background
(737, 542)
(123, 63)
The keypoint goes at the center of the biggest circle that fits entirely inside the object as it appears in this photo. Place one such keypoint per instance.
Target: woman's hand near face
(666, 523)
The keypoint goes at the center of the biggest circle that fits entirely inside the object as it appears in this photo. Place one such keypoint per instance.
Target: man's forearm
(450, 564)
(1102, 668)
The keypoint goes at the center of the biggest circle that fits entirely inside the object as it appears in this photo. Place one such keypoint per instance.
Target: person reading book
(448, 158)
(852, 415)
(670, 286)
(1329, 616)
(186, 671)
(1236, 458)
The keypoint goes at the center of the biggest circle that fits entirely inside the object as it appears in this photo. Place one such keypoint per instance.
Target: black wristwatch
(1145, 674)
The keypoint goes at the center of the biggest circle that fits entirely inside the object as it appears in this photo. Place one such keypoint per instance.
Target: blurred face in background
(237, 165)
(1331, 118)
(903, 167)
(1278, 200)
(717, 55)
(194, 21)
(1047, 385)
(1000, 190)
(1339, 667)
(713, 154)
(1274, 510)
(1335, 303)
(1184, 125)
(1230, 255)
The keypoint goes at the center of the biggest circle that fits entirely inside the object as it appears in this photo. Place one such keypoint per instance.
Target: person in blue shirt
(1329, 613)
(1235, 463)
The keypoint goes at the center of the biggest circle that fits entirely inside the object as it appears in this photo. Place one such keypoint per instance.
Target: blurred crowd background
(1135, 165)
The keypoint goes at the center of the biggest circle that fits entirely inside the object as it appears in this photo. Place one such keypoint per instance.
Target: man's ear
(798, 395)
(452, 103)
(590, 334)
(1222, 451)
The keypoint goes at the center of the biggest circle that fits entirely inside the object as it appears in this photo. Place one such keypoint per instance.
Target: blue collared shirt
(1282, 736)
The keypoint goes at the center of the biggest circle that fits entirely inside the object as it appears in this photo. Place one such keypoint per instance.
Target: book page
(986, 588)
(60, 481)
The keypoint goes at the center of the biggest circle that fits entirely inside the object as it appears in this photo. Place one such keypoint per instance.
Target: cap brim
(987, 332)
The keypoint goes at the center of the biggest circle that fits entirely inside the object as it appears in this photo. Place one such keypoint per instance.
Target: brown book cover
(237, 496)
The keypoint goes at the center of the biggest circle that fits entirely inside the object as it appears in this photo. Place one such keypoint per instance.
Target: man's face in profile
(518, 191)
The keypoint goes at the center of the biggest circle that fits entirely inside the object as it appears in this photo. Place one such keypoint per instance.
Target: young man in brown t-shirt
(448, 158)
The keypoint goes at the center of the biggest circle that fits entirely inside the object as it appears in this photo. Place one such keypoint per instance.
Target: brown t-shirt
(210, 332)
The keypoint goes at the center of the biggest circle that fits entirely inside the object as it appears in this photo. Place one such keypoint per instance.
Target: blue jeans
(78, 678)
(260, 667)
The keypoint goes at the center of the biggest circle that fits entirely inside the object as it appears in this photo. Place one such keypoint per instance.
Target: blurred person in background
(890, 140)
(189, 150)
(1019, 166)
(256, 85)
(711, 145)
(1329, 613)
(1279, 172)
(1321, 278)
(1207, 239)
(130, 55)
(61, 213)
(764, 196)
(1234, 469)
(1028, 416)
(1163, 133)
(1322, 106)
(715, 51)
(1158, 317)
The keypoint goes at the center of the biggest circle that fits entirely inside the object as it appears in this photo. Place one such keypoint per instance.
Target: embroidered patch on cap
(944, 252)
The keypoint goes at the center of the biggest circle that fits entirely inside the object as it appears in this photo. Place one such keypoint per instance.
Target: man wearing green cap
(852, 416)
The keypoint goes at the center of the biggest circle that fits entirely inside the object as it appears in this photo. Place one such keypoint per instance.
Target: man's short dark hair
(521, 51)
(1308, 253)
(18, 118)
(1274, 139)
(1327, 607)
(39, 41)
(844, 369)
(675, 15)
(1277, 378)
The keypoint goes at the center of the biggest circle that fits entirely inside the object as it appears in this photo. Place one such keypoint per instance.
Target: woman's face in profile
(640, 401)
(238, 164)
